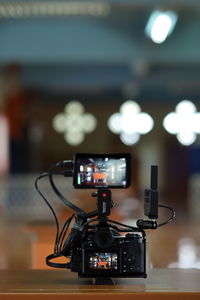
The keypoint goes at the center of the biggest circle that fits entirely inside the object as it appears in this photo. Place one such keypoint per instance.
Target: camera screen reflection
(105, 261)
(102, 172)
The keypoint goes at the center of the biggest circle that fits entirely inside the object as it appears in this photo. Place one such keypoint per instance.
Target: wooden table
(60, 284)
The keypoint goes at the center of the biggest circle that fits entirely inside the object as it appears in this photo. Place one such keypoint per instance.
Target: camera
(96, 246)
(125, 257)
(103, 251)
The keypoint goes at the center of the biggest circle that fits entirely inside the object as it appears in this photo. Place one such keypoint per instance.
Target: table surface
(57, 284)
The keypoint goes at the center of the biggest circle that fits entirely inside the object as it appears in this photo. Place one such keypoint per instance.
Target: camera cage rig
(83, 220)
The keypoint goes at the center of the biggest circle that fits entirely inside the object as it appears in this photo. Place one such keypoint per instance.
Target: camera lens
(103, 238)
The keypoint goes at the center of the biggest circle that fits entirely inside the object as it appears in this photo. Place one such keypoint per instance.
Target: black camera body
(105, 254)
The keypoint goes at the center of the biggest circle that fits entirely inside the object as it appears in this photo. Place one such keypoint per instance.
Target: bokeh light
(160, 25)
(184, 122)
(130, 122)
(74, 123)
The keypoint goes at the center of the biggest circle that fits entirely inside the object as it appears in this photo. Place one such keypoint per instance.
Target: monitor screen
(102, 171)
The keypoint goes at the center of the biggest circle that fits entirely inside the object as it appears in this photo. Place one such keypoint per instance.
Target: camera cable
(171, 218)
(77, 209)
(45, 174)
(59, 235)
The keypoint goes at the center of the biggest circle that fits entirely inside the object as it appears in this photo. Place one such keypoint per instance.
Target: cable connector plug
(69, 165)
(146, 224)
(78, 227)
(66, 164)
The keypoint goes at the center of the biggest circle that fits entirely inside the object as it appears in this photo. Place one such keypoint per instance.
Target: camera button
(130, 259)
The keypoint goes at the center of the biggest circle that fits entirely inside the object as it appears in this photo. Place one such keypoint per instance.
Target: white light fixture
(130, 122)
(160, 25)
(27, 9)
(74, 123)
(184, 122)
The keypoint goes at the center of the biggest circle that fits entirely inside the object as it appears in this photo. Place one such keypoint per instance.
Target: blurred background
(99, 77)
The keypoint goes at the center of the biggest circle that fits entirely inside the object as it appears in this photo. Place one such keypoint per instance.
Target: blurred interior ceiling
(65, 45)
